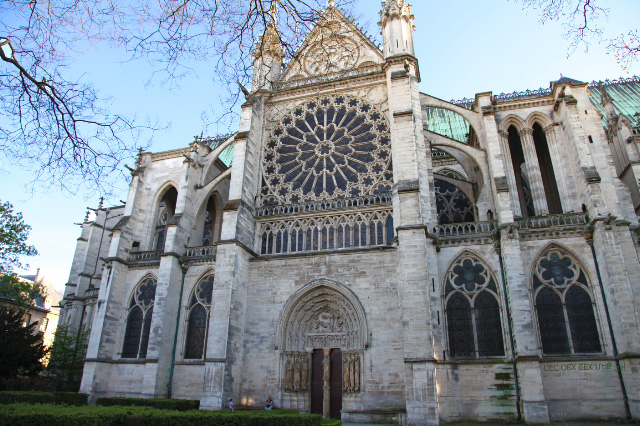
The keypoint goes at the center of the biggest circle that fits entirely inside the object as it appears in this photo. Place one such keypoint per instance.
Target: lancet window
(198, 318)
(209, 220)
(140, 313)
(474, 328)
(166, 209)
(546, 170)
(520, 173)
(564, 305)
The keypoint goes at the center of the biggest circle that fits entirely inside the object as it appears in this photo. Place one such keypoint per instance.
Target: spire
(396, 21)
(332, 3)
(269, 42)
(391, 8)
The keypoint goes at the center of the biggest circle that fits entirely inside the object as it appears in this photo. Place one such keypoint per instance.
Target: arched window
(136, 336)
(209, 220)
(198, 318)
(452, 204)
(546, 170)
(564, 305)
(472, 310)
(519, 170)
(166, 209)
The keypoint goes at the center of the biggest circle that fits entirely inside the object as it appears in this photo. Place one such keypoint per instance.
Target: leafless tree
(60, 126)
(581, 20)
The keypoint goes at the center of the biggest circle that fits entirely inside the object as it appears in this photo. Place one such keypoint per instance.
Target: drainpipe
(506, 301)
(589, 238)
(175, 334)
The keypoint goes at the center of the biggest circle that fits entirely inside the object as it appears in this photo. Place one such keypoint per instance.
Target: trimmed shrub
(56, 415)
(163, 404)
(68, 398)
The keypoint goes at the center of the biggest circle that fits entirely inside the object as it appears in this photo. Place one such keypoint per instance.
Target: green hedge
(69, 398)
(57, 415)
(165, 404)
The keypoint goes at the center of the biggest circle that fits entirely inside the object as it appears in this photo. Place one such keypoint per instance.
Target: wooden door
(336, 384)
(317, 393)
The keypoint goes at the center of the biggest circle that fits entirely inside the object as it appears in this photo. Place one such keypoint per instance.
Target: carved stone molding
(351, 372)
(296, 372)
(322, 314)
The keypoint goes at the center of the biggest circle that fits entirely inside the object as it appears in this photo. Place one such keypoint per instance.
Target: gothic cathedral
(364, 251)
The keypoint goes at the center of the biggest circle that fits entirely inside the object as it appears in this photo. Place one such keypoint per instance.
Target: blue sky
(464, 47)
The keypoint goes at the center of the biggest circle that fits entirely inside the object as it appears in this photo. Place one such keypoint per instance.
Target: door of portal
(333, 383)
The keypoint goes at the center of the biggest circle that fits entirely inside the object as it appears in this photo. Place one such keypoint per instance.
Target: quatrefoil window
(328, 148)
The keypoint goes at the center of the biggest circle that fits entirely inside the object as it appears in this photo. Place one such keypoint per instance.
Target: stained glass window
(452, 205)
(198, 318)
(138, 328)
(474, 327)
(332, 147)
(564, 305)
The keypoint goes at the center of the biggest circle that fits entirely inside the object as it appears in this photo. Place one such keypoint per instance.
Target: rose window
(328, 148)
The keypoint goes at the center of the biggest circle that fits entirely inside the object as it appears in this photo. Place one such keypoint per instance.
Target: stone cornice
(176, 153)
(239, 244)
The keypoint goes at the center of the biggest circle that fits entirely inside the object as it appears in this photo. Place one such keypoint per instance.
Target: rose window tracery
(331, 55)
(328, 148)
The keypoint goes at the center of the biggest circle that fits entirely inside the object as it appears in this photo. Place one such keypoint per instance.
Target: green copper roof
(447, 123)
(213, 142)
(625, 94)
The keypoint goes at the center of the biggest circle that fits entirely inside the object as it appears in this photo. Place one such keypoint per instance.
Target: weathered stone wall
(370, 275)
(477, 392)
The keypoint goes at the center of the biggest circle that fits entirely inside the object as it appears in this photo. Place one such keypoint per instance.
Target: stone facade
(356, 261)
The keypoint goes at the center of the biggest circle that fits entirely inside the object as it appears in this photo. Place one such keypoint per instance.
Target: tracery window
(198, 318)
(136, 336)
(327, 233)
(328, 148)
(472, 310)
(564, 305)
(452, 204)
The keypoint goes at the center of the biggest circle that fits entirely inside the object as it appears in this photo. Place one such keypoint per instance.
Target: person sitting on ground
(269, 404)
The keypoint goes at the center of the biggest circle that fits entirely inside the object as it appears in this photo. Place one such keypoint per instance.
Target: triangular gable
(334, 45)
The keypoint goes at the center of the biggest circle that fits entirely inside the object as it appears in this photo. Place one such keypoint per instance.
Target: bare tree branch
(581, 20)
(59, 127)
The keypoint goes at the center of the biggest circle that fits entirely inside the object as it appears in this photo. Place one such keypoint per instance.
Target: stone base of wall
(382, 417)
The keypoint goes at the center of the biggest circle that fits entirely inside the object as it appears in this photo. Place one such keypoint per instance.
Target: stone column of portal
(413, 211)
(533, 171)
(326, 383)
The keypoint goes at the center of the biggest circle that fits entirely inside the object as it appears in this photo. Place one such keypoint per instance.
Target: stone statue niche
(351, 362)
(296, 372)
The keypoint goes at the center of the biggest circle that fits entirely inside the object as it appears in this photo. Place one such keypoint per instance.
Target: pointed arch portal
(322, 334)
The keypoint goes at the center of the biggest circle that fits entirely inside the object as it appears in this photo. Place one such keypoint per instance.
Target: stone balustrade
(201, 252)
(145, 256)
